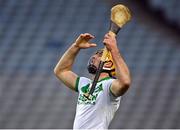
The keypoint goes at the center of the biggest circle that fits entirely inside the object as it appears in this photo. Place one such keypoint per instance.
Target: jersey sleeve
(80, 82)
(110, 94)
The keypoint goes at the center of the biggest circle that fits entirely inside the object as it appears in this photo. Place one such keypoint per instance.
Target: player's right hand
(82, 41)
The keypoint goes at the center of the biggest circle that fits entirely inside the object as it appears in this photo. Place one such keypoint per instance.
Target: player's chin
(92, 69)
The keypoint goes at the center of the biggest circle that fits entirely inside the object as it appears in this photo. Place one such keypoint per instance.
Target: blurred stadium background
(35, 33)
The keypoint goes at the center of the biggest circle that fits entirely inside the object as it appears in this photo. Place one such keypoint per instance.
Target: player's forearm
(122, 71)
(66, 61)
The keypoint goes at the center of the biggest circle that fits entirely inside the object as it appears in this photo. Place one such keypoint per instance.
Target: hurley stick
(120, 15)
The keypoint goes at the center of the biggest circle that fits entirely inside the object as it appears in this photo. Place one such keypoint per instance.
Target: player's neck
(102, 76)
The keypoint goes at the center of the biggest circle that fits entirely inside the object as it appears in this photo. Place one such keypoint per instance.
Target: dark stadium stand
(35, 33)
(170, 9)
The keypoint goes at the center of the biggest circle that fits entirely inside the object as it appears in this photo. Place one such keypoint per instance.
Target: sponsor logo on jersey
(85, 89)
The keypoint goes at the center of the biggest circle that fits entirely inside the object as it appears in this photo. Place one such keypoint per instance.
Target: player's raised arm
(63, 69)
(121, 84)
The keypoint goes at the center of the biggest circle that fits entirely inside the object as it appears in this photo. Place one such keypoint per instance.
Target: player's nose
(92, 60)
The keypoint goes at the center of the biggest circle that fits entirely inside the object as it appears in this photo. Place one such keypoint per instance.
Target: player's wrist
(114, 50)
(75, 45)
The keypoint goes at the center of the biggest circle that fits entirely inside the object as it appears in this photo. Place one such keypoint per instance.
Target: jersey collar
(106, 78)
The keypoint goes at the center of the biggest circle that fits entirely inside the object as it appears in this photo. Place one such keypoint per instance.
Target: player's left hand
(83, 41)
(110, 42)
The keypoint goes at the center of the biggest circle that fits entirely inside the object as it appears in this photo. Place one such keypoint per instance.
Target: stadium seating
(170, 9)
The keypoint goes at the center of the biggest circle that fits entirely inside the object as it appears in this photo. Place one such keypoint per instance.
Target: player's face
(95, 59)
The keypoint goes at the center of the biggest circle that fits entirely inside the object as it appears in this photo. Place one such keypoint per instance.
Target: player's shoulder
(106, 80)
(84, 79)
(80, 82)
